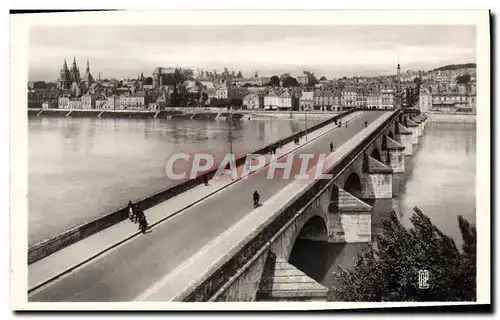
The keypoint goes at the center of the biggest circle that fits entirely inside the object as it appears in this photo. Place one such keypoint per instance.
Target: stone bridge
(325, 210)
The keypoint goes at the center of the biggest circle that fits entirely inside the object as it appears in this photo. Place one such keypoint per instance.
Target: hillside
(456, 66)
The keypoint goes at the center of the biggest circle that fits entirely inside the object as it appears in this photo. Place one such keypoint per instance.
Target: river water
(439, 179)
(82, 168)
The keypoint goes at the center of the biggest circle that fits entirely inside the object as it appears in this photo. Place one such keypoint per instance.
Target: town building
(221, 92)
(373, 100)
(75, 103)
(251, 101)
(63, 102)
(361, 98)
(387, 98)
(449, 101)
(303, 80)
(349, 97)
(425, 100)
(306, 101)
(88, 101)
(271, 101)
(101, 103)
(285, 100)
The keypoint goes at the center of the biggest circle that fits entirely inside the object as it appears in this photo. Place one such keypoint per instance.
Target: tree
(388, 269)
(148, 81)
(311, 79)
(274, 81)
(187, 74)
(284, 76)
(204, 98)
(323, 78)
(240, 75)
(463, 79)
(290, 82)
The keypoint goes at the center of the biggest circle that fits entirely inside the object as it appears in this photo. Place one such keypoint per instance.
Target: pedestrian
(131, 213)
(205, 179)
(366, 124)
(331, 147)
(143, 223)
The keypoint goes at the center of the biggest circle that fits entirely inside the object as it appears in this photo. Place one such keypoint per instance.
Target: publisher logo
(423, 278)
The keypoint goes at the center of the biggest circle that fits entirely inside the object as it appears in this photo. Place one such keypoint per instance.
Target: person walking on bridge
(143, 223)
(131, 212)
(331, 147)
(256, 198)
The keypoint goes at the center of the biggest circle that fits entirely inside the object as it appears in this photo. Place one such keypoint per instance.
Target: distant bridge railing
(47, 247)
(218, 280)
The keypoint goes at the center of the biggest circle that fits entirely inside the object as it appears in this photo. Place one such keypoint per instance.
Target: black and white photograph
(309, 159)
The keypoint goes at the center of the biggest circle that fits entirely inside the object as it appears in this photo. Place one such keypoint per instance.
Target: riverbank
(196, 114)
(452, 117)
(134, 114)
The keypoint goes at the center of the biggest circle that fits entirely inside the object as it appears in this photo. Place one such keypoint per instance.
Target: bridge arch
(309, 246)
(353, 185)
(314, 229)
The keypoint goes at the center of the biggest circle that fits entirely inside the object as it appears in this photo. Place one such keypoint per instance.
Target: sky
(332, 51)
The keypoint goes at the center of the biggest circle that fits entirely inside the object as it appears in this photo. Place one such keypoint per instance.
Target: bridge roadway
(125, 272)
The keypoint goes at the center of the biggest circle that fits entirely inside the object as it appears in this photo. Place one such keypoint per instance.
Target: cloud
(124, 51)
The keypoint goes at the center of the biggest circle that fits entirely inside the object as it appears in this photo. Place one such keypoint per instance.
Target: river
(439, 179)
(82, 168)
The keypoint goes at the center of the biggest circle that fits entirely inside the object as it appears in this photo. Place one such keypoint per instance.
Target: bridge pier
(376, 180)
(418, 122)
(423, 123)
(413, 127)
(395, 156)
(405, 138)
(349, 218)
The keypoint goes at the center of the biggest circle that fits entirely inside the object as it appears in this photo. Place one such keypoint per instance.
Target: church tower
(65, 80)
(75, 72)
(397, 94)
(87, 78)
(399, 78)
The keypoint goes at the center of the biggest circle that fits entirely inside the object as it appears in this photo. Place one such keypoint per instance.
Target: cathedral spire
(399, 77)
(88, 67)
